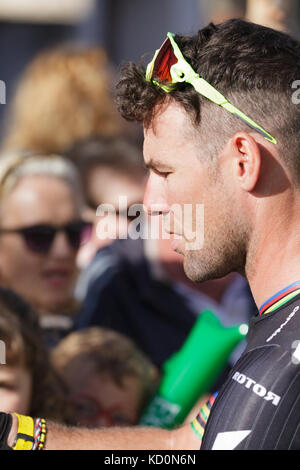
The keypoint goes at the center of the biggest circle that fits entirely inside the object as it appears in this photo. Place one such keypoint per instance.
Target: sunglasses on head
(39, 238)
(168, 67)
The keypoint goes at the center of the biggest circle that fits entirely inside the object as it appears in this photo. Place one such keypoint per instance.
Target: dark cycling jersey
(259, 405)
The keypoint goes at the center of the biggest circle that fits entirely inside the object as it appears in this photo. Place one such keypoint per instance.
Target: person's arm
(136, 438)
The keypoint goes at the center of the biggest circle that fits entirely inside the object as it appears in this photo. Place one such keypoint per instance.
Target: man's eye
(164, 174)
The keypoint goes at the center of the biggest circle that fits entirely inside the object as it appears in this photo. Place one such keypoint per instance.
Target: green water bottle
(190, 372)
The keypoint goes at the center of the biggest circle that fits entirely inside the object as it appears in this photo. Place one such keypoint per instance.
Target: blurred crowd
(89, 321)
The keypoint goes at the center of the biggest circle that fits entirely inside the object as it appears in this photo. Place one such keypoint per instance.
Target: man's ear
(248, 159)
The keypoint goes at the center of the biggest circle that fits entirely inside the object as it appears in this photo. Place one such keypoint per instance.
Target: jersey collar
(280, 298)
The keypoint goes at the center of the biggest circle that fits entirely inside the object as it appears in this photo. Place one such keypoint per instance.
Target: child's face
(15, 389)
(99, 401)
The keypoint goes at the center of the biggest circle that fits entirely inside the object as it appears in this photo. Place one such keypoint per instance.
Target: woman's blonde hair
(64, 95)
(16, 165)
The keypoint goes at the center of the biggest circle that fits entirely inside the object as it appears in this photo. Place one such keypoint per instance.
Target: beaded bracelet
(40, 432)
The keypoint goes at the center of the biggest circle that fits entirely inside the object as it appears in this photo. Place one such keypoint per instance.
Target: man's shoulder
(280, 327)
(259, 405)
(260, 398)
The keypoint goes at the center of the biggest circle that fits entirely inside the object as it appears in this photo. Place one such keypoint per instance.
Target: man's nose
(155, 202)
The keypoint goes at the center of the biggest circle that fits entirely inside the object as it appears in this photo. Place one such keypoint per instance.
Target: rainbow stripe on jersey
(280, 298)
(199, 423)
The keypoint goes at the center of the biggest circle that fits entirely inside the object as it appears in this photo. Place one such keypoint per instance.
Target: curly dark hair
(23, 338)
(252, 65)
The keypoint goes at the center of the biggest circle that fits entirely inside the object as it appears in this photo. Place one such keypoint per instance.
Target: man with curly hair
(221, 130)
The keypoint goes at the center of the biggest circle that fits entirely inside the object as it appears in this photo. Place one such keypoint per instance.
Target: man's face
(181, 184)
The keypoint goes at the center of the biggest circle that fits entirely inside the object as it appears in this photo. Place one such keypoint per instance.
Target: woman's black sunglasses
(39, 238)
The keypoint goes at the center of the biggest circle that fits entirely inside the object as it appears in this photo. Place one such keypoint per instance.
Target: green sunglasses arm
(209, 92)
(233, 110)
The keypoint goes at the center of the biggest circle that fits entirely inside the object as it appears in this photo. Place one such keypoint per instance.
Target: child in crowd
(28, 383)
(109, 379)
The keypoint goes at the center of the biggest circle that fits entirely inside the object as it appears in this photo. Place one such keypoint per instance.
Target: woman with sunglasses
(41, 230)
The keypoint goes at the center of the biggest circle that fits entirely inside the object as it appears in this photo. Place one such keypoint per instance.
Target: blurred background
(60, 61)
(126, 29)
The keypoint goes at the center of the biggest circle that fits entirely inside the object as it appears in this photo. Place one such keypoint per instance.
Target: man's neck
(274, 262)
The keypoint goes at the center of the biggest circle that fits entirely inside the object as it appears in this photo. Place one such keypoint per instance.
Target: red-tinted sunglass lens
(163, 62)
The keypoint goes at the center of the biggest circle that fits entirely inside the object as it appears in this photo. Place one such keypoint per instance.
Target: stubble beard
(222, 253)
